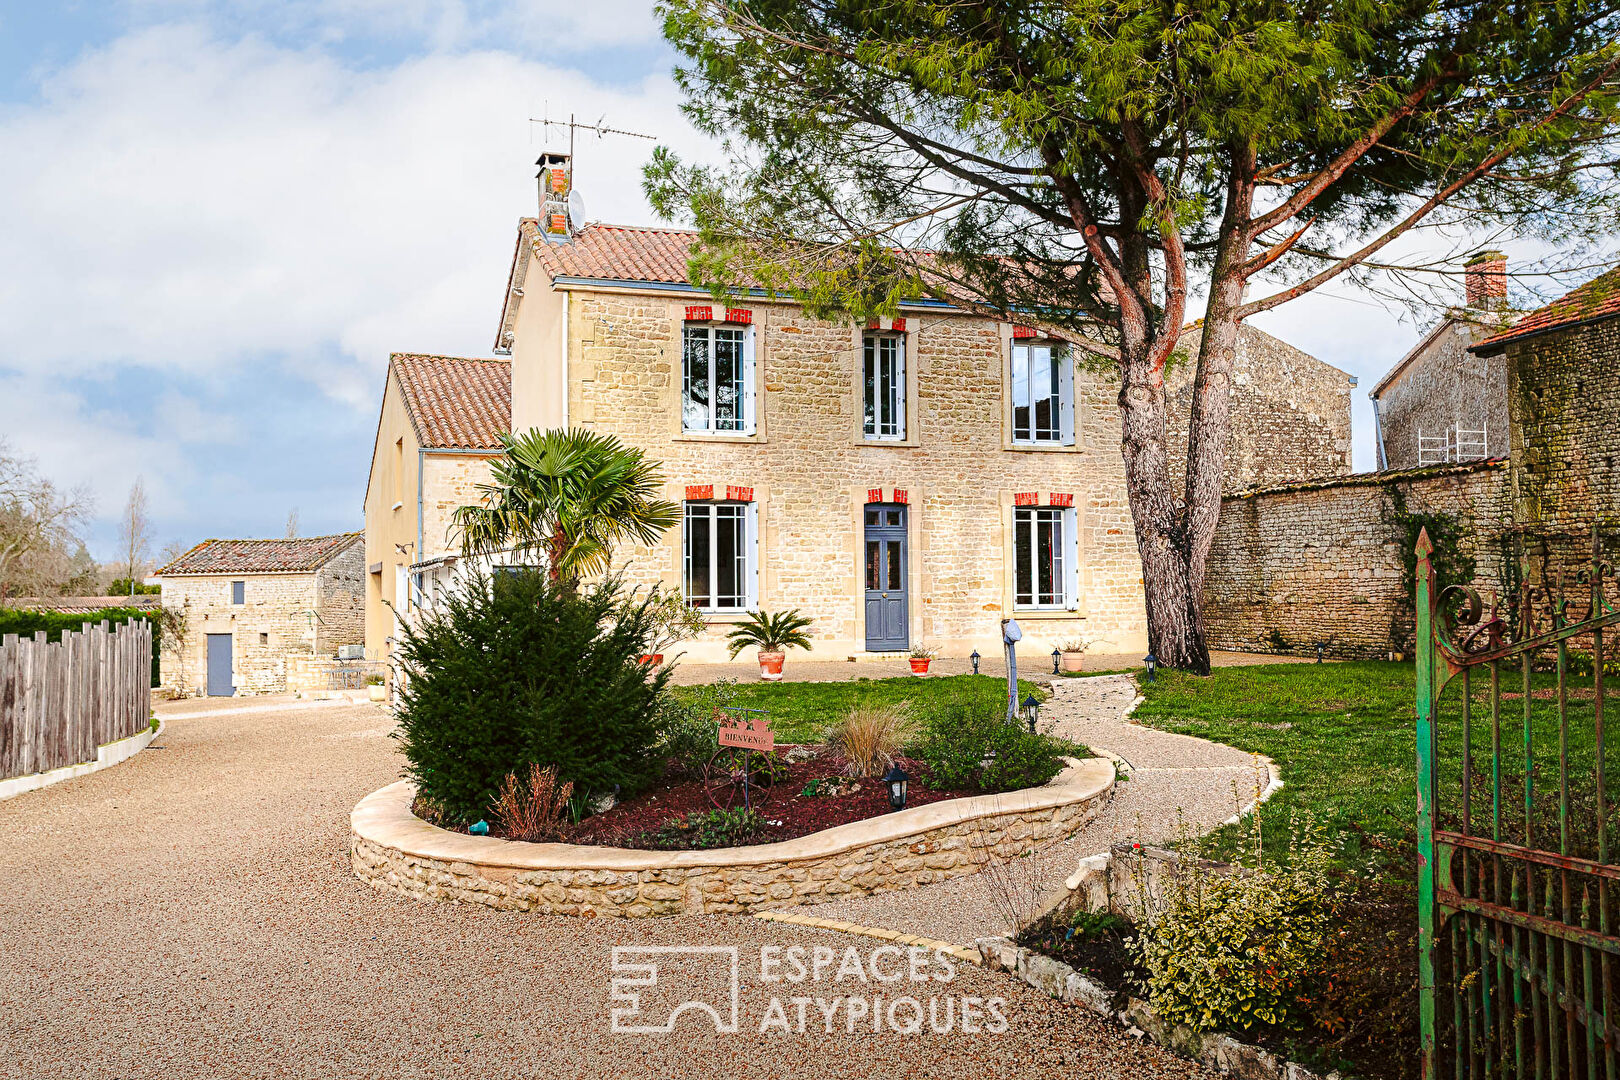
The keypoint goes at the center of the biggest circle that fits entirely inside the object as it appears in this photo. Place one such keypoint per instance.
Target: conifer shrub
(522, 670)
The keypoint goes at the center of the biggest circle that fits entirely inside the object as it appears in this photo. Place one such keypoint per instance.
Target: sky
(219, 217)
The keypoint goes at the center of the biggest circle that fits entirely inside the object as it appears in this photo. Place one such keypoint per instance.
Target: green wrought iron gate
(1518, 899)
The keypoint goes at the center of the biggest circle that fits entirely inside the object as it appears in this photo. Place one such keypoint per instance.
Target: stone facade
(1441, 388)
(1322, 562)
(395, 852)
(283, 617)
(1290, 412)
(1564, 398)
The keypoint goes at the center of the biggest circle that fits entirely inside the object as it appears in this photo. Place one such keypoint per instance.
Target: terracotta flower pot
(770, 666)
(1074, 661)
(654, 659)
(919, 665)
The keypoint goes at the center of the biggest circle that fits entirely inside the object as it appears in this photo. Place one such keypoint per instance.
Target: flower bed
(395, 851)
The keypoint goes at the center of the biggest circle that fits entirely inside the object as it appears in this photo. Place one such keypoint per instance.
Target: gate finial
(1425, 547)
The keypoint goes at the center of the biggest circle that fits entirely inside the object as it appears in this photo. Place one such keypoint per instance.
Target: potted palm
(920, 659)
(772, 635)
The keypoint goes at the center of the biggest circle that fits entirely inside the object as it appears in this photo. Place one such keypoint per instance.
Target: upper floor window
(238, 592)
(883, 386)
(718, 556)
(1042, 394)
(717, 379)
(1045, 558)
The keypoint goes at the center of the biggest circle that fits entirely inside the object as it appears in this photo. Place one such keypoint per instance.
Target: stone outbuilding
(253, 614)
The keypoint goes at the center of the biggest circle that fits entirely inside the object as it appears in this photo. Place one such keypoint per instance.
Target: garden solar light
(1057, 658)
(1152, 662)
(898, 783)
(1032, 712)
(975, 659)
(1318, 652)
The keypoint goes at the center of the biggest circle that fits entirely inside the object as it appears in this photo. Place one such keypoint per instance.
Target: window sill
(728, 616)
(1041, 448)
(888, 443)
(1047, 613)
(698, 436)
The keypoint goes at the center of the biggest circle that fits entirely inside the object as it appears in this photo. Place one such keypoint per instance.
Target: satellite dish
(576, 208)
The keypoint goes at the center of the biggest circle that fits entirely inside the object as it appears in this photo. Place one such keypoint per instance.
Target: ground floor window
(718, 556)
(1044, 557)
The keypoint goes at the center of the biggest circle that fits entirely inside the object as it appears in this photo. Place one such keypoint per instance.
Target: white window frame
(1069, 553)
(750, 554)
(710, 332)
(884, 419)
(1023, 354)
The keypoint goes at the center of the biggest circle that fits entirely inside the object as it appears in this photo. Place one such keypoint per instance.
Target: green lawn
(1344, 736)
(802, 711)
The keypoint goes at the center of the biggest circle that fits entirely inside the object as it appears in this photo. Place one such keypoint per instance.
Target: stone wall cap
(384, 818)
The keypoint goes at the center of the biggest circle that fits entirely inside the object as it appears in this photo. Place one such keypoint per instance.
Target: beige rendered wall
(390, 509)
(276, 621)
(810, 473)
(537, 370)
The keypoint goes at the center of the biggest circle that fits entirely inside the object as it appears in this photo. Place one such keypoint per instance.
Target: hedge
(26, 623)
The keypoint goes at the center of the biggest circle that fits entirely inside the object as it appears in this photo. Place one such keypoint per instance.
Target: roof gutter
(690, 289)
(1491, 348)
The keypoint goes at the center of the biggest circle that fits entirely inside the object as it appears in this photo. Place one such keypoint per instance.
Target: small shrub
(533, 809)
(1235, 951)
(967, 742)
(525, 669)
(709, 829)
(687, 730)
(869, 738)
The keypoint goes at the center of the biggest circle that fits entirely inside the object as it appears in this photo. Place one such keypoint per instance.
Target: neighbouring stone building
(1330, 561)
(251, 610)
(1441, 402)
(439, 427)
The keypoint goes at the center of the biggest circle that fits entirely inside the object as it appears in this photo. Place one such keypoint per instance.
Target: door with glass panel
(885, 558)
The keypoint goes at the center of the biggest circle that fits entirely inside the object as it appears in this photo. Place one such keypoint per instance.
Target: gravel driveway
(191, 913)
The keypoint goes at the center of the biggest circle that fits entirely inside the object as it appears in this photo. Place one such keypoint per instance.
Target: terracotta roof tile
(261, 556)
(1597, 299)
(456, 403)
(621, 253)
(84, 605)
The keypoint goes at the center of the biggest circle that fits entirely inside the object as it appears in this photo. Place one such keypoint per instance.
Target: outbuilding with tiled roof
(256, 615)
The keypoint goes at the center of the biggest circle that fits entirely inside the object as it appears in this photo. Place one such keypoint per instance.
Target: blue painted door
(219, 666)
(885, 558)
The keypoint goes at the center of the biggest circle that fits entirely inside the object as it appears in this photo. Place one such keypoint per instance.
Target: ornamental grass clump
(1241, 948)
(868, 739)
(533, 808)
(526, 668)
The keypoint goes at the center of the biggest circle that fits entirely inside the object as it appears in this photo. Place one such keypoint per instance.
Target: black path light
(1057, 658)
(898, 783)
(975, 659)
(1032, 712)
(1152, 663)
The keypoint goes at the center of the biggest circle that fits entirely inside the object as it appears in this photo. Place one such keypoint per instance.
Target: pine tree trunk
(1175, 631)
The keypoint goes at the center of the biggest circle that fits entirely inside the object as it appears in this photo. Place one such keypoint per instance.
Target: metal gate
(1517, 893)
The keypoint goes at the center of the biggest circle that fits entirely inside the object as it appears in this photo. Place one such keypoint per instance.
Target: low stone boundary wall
(395, 851)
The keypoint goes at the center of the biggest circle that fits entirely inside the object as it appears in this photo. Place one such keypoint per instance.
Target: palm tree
(569, 495)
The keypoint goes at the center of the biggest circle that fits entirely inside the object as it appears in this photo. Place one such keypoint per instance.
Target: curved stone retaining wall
(395, 851)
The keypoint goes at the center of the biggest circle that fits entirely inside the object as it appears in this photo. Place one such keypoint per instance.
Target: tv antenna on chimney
(600, 127)
(562, 211)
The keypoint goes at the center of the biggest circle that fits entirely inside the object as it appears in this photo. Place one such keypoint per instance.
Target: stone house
(907, 482)
(1442, 402)
(438, 429)
(252, 610)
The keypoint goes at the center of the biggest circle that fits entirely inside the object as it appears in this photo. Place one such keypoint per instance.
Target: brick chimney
(556, 183)
(1485, 280)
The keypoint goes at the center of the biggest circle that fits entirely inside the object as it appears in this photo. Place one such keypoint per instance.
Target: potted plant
(375, 688)
(920, 659)
(1074, 654)
(772, 635)
(674, 620)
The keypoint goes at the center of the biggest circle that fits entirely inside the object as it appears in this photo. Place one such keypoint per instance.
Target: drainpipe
(566, 297)
(1378, 429)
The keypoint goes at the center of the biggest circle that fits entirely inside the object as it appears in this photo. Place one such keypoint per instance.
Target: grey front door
(219, 666)
(885, 559)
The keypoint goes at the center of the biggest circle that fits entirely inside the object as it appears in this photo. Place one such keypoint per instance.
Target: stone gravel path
(191, 913)
(1178, 785)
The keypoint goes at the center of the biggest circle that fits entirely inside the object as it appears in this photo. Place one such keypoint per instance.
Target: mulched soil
(1101, 956)
(787, 811)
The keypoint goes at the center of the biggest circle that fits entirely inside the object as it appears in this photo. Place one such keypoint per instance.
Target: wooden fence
(61, 700)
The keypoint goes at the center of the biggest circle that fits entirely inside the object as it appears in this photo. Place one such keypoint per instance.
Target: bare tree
(135, 535)
(292, 523)
(38, 526)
